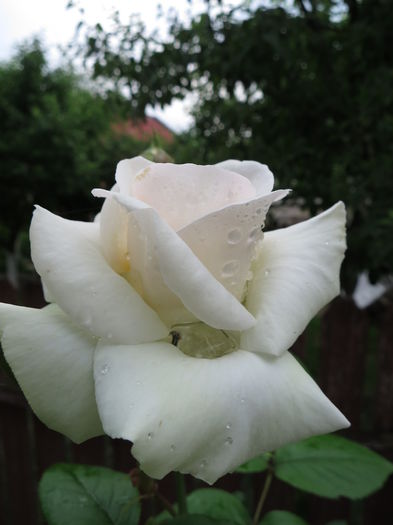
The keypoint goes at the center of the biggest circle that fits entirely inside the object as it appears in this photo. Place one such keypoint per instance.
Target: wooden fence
(349, 353)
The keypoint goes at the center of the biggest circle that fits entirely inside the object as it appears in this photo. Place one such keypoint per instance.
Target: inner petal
(183, 193)
(201, 340)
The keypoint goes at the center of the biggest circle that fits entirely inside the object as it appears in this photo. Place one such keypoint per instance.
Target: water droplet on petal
(230, 268)
(229, 441)
(104, 370)
(266, 272)
(150, 435)
(203, 464)
(109, 335)
(228, 426)
(234, 236)
(327, 243)
(242, 400)
(173, 448)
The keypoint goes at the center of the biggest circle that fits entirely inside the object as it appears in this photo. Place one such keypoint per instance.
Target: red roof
(144, 129)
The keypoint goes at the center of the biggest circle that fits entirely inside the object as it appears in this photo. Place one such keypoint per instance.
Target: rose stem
(261, 501)
(181, 493)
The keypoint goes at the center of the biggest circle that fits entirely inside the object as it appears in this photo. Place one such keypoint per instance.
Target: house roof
(145, 129)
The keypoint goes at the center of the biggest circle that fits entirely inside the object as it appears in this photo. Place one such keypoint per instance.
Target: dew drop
(229, 441)
(128, 257)
(172, 448)
(228, 426)
(109, 335)
(230, 268)
(234, 236)
(138, 383)
(203, 464)
(327, 243)
(150, 435)
(104, 370)
(242, 400)
(266, 273)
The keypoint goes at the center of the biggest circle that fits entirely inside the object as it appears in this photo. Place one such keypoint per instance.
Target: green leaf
(331, 466)
(282, 517)
(218, 504)
(258, 464)
(83, 495)
(215, 504)
(195, 519)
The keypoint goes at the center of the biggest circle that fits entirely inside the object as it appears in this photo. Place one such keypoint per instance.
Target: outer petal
(52, 359)
(295, 275)
(225, 241)
(258, 174)
(68, 258)
(206, 416)
(181, 271)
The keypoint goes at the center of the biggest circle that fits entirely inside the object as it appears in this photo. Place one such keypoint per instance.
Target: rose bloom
(171, 316)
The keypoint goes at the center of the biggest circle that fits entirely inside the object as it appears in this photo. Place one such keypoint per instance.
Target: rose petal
(206, 416)
(127, 170)
(68, 258)
(295, 275)
(183, 193)
(52, 359)
(258, 174)
(181, 272)
(225, 241)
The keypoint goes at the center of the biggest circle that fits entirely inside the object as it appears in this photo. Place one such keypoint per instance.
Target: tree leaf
(331, 466)
(258, 464)
(282, 517)
(84, 495)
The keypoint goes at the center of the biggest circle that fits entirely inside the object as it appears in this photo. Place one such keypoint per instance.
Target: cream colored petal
(206, 416)
(127, 170)
(180, 270)
(183, 193)
(258, 174)
(52, 359)
(68, 257)
(296, 274)
(225, 241)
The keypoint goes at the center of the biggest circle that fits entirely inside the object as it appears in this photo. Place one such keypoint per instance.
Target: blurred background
(305, 86)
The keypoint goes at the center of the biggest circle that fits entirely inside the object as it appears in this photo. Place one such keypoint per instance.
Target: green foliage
(329, 466)
(282, 517)
(307, 90)
(215, 504)
(78, 494)
(258, 464)
(56, 143)
(195, 520)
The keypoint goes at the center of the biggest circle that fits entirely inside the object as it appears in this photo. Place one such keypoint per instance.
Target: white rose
(178, 249)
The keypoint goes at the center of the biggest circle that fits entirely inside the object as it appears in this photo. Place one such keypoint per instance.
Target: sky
(49, 19)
